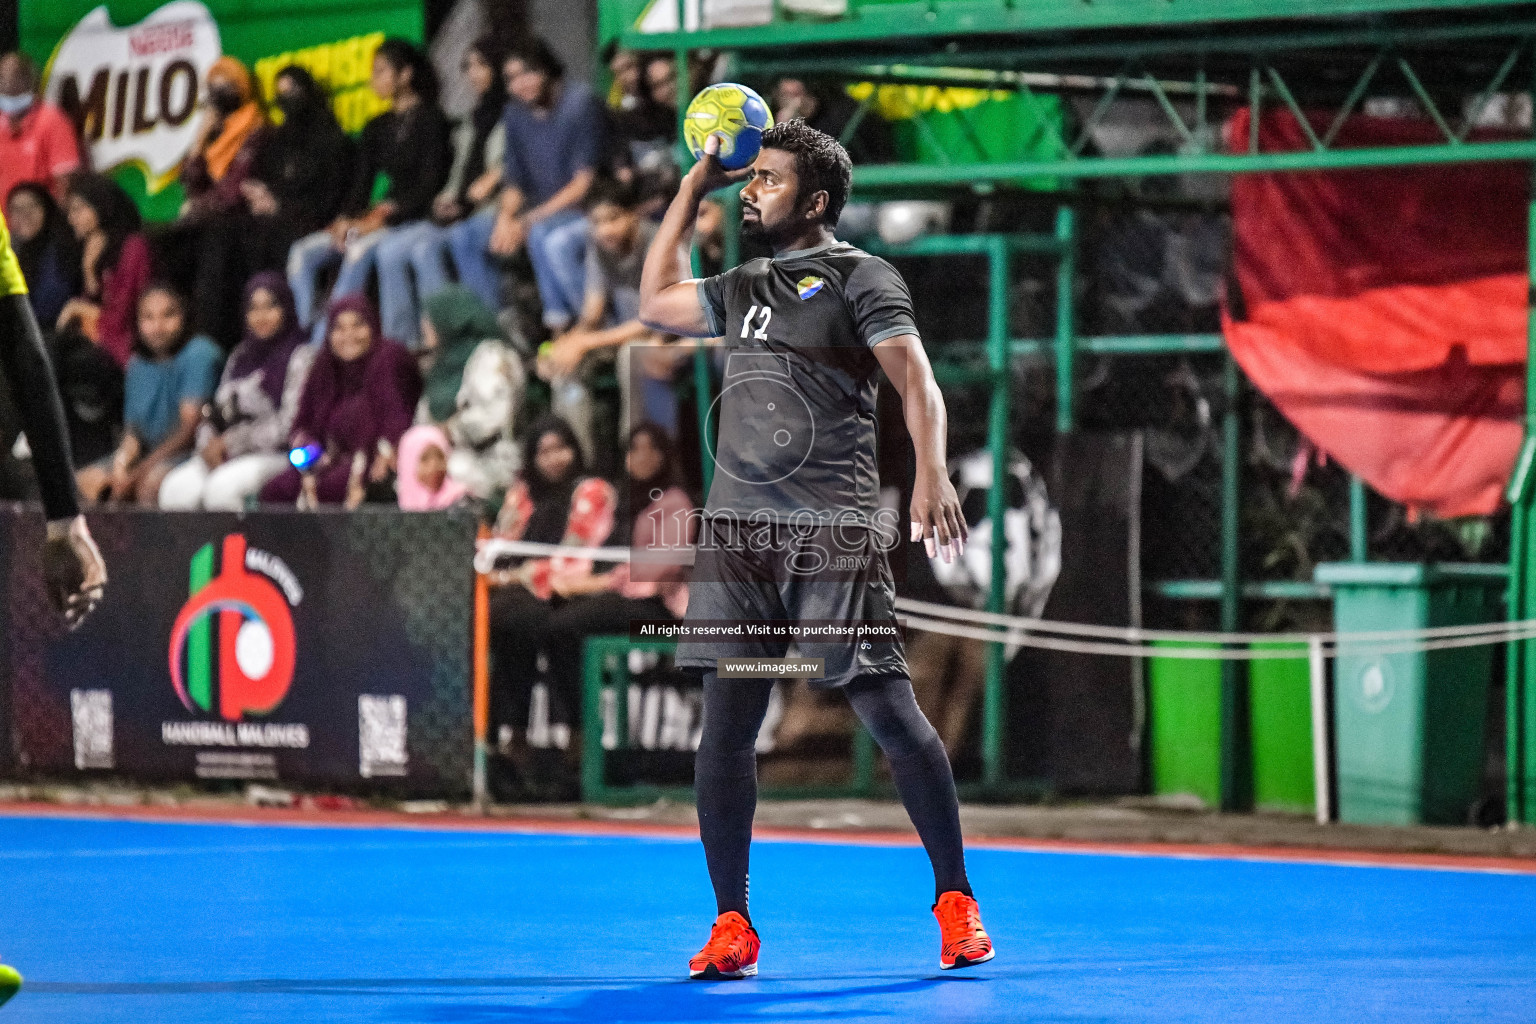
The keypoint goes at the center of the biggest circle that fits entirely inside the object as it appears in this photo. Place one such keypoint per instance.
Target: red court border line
(453, 822)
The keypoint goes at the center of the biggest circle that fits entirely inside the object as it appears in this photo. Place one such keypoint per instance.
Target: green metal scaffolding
(1200, 61)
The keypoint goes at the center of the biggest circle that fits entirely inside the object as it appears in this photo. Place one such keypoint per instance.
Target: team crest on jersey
(809, 286)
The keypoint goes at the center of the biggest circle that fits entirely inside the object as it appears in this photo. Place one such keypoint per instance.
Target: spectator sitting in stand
(643, 130)
(610, 321)
(356, 404)
(37, 140)
(240, 447)
(474, 182)
(301, 174)
(408, 144)
(47, 250)
(654, 518)
(171, 376)
(474, 388)
(423, 483)
(831, 112)
(626, 68)
(115, 264)
(206, 243)
(554, 145)
(554, 502)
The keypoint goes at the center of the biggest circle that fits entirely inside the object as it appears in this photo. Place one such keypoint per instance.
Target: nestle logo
(153, 39)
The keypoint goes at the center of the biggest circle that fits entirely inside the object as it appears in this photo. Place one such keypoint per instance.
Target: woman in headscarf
(204, 246)
(553, 502)
(356, 404)
(655, 520)
(227, 144)
(241, 444)
(475, 387)
(45, 247)
(423, 483)
(301, 173)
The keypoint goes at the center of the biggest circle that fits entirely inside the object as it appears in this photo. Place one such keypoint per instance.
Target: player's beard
(753, 228)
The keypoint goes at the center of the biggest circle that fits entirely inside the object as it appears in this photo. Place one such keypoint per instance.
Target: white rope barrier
(1087, 638)
(1133, 634)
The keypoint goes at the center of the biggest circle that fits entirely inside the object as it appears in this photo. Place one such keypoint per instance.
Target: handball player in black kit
(792, 530)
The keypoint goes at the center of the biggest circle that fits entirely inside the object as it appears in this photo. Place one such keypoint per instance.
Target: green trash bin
(1408, 726)
(1184, 698)
(1184, 725)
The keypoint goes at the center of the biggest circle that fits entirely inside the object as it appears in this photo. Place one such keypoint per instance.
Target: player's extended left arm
(936, 514)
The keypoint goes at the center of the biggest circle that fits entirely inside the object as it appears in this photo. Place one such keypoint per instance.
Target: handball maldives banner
(321, 648)
(131, 72)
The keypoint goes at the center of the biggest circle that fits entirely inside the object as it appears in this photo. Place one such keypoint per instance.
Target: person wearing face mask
(37, 140)
(301, 174)
(202, 251)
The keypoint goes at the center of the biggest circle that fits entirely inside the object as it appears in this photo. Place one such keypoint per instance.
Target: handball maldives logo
(248, 608)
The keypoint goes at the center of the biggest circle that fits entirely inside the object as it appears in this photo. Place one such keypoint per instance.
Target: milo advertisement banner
(131, 72)
(284, 647)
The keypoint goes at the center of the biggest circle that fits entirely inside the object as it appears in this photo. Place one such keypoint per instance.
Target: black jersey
(796, 411)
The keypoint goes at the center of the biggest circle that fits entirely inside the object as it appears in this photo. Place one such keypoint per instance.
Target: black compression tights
(725, 777)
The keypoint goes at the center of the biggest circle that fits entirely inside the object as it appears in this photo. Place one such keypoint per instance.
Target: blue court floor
(150, 923)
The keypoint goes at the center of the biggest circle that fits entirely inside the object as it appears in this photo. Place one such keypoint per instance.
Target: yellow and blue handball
(10, 981)
(736, 114)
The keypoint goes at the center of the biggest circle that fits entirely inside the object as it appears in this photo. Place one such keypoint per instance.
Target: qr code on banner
(92, 713)
(381, 735)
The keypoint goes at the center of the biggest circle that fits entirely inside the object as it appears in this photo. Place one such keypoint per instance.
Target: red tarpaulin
(1383, 311)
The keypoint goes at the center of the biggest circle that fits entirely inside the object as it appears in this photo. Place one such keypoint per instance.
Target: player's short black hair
(612, 192)
(820, 160)
(536, 55)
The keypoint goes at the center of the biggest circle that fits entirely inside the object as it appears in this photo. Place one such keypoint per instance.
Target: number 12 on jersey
(763, 315)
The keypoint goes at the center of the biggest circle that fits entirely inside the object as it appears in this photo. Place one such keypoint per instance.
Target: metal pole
(1066, 272)
(481, 681)
(1358, 536)
(1520, 744)
(701, 382)
(1514, 676)
(1321, 777)
(994, 697)
(730, 200)
(1235, 770)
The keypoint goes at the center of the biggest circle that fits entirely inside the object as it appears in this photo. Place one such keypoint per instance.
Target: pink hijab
(414, 496)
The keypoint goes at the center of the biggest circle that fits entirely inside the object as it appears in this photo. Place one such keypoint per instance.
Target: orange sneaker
(730, 953)
(964, 942)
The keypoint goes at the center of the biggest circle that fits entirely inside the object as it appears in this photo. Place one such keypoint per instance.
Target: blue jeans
(311, 256)
(413, 249)
(467, 241)
(557, 248)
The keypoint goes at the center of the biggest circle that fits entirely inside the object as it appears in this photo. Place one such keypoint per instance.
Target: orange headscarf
(220, 152)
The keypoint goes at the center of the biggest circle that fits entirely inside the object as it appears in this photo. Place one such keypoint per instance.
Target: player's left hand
(936, 517)
(73, 570)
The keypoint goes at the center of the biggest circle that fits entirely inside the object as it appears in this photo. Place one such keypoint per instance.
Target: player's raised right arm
(669, 295)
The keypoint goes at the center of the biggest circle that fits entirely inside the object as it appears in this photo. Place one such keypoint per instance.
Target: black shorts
(825, 576)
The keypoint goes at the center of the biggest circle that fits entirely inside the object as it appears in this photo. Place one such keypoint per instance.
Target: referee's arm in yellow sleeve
(24, 361)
